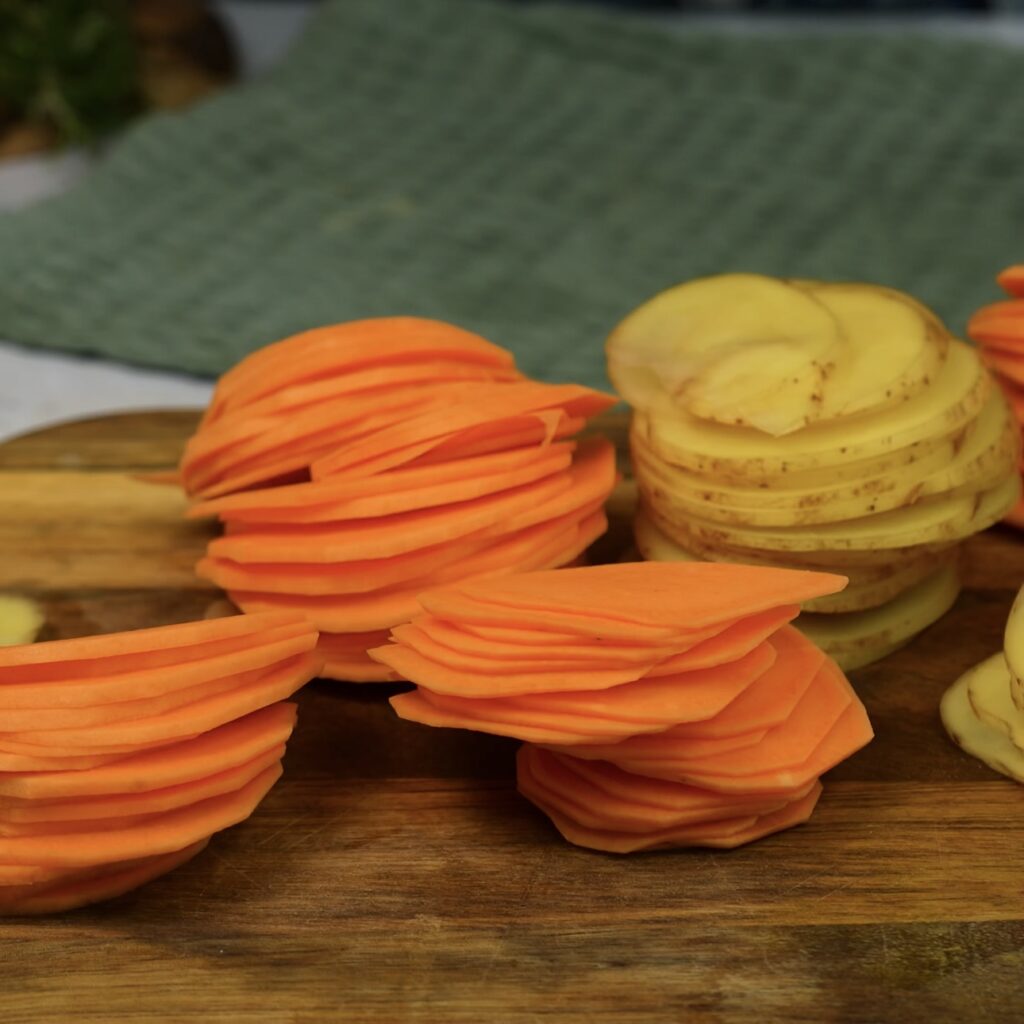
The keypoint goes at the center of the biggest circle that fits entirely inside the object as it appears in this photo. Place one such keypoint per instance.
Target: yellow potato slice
(20, 620)
(862, 564)
(889, 351)
(941, 519)
(1013, 646)
(734, 348)
(991, 699)
(880, 586)
(742, 455)
(980, 459)
(859, 638)
(977, 738)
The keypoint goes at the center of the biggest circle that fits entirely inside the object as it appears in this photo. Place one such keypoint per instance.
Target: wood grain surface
(394, 874)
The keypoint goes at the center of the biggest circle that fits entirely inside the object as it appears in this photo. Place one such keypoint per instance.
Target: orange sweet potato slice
(59, 896)
(345, 348)
(229, 659)
(621, 709)
(375, 380)
(638, 598)
(38, 817)
(616, 800)
(158, 835)
(1010, 366)
(499, 403)
(173, 765)
(311, 502)
(143, 641)
(1011, 280)
(771, 698)
(726, 834)
(384, 608)
(385, 537)
(277, 683)
(345, 657)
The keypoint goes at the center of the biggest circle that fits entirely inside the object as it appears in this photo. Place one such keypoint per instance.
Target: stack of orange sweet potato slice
(662, 704)
(454, 481)
(122, 754)
(287, 404)
(998, 330)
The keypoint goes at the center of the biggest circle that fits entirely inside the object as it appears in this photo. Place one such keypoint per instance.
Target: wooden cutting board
(395, 875)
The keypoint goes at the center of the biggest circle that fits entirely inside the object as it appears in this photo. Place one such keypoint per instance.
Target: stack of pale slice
(832, 427)
(478, 479)
(661, 705)
(998, 330)
(122, 754)
(289, 403)
(983, 711)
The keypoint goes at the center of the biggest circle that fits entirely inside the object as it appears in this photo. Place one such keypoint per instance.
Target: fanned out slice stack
(998, 330)
(122, 754)
(830, 427)
(661, 705)
(450, 482)
(289, 403)
(983, 711)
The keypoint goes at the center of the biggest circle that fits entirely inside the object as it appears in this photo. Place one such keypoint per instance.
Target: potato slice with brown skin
(891, 351)
(979, 739)
(735, 348)
(950, 403)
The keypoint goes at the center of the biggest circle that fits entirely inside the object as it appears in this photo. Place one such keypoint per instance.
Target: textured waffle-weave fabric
(528, 171)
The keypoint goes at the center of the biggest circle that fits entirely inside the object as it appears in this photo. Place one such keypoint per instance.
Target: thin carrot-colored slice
(376, 379)
(633, 803)
(541, 431)
(57, 897)
(735, 640)
(640, 598)
(183, 762)
(422, 636)
(108, 812)
(1010, 366)
(283, 504)
(347, 347)
(720, 835)
(771, 698)
(163, 834)
(385, 608)
(382, 538)
(133, 686)
(1011, 280)
(535, 430)
(278, 683)
(489, 403)
(142, 641)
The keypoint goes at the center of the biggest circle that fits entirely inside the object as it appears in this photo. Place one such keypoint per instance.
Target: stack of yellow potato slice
(983, 711)
(833, 427)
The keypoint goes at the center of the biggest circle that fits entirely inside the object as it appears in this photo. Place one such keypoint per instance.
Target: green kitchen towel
(528, 171)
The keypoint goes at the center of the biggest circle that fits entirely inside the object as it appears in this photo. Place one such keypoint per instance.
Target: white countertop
(41, 387)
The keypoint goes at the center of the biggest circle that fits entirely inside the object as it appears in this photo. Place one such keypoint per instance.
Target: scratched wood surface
(394, 874)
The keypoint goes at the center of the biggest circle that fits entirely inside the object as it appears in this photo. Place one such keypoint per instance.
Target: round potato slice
(859, 638)
(977, 459)
(950, 403)
(738, 349)
(890, 351)
(883, 585)
(988, 744)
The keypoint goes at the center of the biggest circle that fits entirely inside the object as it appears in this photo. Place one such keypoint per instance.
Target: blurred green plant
(68, 65)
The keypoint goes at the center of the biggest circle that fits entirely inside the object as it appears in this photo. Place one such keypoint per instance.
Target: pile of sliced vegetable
(122, 754)
(661, 704)
(831, 427)
(998, 330)
(983, 711)
(354, 467)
